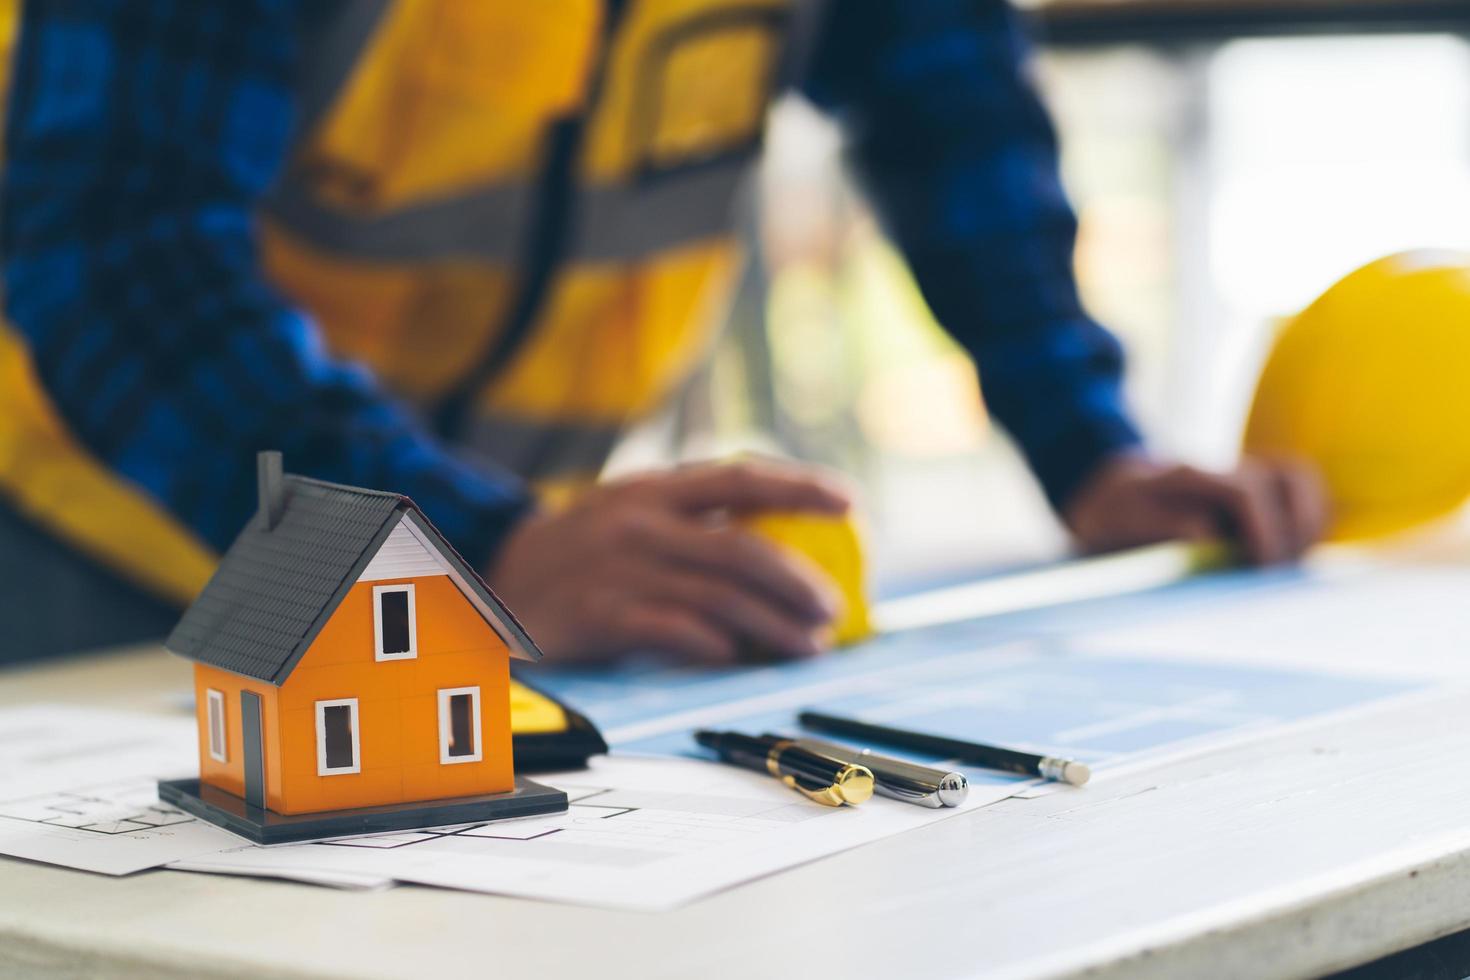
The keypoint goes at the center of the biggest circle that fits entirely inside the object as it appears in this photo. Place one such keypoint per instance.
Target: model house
(348, 661)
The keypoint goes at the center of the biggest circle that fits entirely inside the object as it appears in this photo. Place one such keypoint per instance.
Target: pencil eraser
(1076, 773)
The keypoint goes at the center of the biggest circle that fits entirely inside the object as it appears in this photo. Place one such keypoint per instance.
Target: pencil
(975, 753)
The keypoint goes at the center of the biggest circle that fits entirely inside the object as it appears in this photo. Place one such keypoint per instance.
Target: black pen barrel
(741, 750)
(989, 756)
(808, 766)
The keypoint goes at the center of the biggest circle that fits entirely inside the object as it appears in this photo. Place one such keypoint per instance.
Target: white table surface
(1305, 852)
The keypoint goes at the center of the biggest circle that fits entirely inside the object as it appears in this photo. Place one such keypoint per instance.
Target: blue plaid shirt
(139, 137)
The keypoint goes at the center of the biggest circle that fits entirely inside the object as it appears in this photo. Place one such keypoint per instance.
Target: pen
(975, 753)
(896, 778)
(828, 781)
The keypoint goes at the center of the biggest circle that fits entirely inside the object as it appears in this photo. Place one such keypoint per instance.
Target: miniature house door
(253, 749)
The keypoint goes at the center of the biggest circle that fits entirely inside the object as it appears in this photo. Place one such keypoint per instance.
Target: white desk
(1294, 856)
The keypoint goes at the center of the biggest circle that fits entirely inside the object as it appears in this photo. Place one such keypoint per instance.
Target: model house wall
(361, 721)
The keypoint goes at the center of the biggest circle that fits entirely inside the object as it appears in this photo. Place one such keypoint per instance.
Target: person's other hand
(656, 563)
(1272, 509)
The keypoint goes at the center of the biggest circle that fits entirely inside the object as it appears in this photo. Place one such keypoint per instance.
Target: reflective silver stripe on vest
(483, 224)
(541, 450)
(615, 223)
(627, 223)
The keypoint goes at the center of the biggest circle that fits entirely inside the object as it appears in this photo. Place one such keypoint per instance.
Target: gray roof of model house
(289, 569)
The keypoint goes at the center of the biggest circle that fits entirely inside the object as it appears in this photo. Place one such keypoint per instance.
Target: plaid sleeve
(138, 138)
(960, 159)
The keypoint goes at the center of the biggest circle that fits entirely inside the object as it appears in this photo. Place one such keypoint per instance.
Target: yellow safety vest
(516, 212)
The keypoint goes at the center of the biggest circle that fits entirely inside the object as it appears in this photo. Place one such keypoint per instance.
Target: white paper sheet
(79, 788)
(345, 880)
(641, 834)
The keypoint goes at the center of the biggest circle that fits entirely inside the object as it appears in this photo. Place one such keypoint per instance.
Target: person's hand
(1272, 509)
(656, 563)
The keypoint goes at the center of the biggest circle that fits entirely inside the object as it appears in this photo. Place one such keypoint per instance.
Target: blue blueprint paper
(1010, 680)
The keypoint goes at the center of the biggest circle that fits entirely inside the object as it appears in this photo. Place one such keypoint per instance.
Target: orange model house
(351, 672)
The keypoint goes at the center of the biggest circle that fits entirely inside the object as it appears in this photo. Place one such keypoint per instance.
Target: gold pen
(831, 782)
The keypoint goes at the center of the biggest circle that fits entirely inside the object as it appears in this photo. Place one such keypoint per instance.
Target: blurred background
(1228, 160)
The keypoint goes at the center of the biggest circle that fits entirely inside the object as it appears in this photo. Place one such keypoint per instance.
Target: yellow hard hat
(1372, 384)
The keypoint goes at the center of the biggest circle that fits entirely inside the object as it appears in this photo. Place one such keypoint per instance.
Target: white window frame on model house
(214, 718)
(413, 625)
(446, 722)
(322, 769)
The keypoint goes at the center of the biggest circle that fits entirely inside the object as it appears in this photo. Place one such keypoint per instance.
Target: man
(454, 248)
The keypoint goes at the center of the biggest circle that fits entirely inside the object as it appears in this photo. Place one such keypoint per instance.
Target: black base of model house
(263, 826)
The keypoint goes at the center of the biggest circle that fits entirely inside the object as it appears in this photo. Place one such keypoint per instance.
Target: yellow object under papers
(532, 712)
(547, 735)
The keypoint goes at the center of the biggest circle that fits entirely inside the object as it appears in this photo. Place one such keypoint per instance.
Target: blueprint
(1035, 681)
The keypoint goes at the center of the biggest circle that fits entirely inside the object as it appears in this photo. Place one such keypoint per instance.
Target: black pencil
(975, 753)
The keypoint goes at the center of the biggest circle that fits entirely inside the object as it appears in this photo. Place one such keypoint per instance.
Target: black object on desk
(556, 751)
(975, 753)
